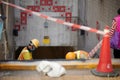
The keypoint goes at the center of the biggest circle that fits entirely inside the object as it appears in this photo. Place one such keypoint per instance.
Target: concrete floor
(72, 74)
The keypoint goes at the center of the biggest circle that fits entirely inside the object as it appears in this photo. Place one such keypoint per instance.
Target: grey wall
(102, 11)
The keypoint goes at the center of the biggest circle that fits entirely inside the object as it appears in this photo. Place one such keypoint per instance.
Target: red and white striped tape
(56, 20)
(94, 50)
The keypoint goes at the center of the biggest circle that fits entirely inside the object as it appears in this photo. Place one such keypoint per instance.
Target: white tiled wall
(59, 34)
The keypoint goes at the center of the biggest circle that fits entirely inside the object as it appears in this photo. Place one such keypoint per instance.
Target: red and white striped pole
(94, 50)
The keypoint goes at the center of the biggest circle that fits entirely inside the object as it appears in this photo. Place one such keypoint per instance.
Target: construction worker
(80, 54)
(26, 53)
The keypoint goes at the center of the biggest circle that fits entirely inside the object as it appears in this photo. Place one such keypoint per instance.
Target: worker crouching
(26, 53)
(80, 54)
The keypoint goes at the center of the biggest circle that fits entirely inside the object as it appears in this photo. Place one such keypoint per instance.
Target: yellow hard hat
(70, 55)
(35, 42)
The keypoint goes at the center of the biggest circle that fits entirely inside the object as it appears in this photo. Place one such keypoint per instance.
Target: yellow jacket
(25, 54)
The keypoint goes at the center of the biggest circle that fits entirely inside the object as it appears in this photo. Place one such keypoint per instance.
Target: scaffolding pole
(5, 24)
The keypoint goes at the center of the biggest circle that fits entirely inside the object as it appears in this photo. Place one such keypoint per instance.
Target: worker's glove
(52, 69)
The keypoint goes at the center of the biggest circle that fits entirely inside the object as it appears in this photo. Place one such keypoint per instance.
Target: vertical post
(6, 51)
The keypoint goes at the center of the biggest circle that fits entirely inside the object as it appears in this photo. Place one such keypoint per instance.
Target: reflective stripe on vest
(21, 55)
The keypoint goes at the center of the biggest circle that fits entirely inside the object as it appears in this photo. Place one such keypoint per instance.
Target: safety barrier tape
(95, 49)
(56, 20)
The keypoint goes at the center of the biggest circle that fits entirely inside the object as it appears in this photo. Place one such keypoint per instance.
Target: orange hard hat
(80, 54)
(70, 55)
(35, 42)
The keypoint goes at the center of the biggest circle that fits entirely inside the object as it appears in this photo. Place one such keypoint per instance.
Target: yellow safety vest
(25, 55)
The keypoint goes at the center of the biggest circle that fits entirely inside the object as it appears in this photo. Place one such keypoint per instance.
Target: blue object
(1, 27)
(45, 24)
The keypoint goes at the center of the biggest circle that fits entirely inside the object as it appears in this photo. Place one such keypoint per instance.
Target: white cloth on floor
(52, 69)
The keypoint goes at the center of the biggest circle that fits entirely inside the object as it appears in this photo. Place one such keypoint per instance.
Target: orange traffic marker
(104, 67)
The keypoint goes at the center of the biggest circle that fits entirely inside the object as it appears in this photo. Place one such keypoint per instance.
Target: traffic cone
(104, 68)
